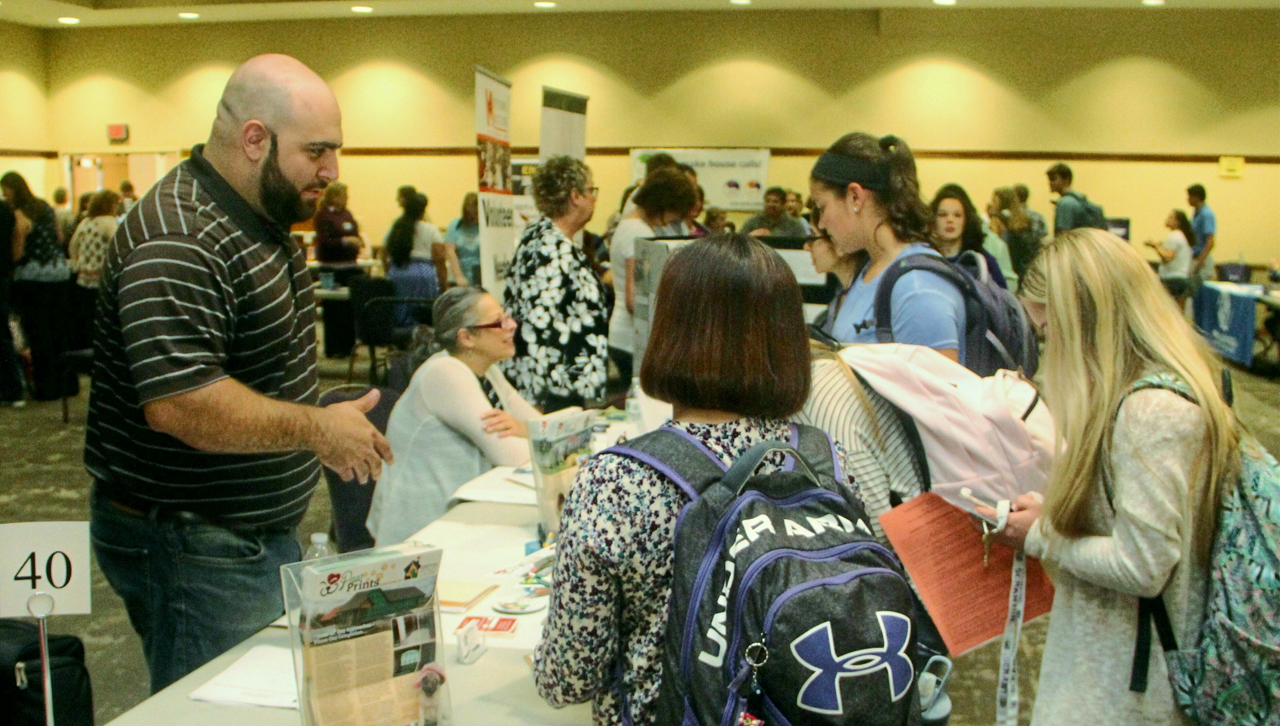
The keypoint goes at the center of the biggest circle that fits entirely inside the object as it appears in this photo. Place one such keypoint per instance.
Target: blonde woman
(1130, 508)
(1010, 220)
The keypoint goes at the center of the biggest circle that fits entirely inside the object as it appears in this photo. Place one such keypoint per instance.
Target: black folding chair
(348, 498)
(374, 300)
(68, 364)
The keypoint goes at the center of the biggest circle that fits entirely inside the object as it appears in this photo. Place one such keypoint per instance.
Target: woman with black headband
(868, 198)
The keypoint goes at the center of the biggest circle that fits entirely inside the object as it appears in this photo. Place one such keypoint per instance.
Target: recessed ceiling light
(188, 16)
(69, 21)
(544, 4)
(739, 2)
(361, 9)
(1153, 3)
(944, 2)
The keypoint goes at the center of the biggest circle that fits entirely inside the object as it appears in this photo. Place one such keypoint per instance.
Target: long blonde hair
(1011, 210)
(1109, 322)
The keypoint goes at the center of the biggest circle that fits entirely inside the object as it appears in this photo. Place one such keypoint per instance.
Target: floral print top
(562, 346)
(88, 248)
(612, 575)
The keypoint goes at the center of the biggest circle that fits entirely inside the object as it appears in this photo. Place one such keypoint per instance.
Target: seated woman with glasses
(458, 419)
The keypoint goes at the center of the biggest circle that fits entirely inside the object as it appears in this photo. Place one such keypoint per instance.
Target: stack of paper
(261, 677)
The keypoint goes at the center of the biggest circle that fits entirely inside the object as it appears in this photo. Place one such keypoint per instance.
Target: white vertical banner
(564, 124)
(493, 153)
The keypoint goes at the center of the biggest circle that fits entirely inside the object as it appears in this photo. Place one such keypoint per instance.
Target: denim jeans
(193, 590)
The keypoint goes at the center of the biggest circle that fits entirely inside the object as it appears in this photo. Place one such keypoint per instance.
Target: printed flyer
(366, 633)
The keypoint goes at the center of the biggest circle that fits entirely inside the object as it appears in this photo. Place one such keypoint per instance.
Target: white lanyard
(1007, 686)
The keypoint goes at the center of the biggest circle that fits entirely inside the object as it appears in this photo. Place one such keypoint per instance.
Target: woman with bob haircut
(458, 419)
(867, 197)
(728, 349)
(1131, 506)
(562, 349)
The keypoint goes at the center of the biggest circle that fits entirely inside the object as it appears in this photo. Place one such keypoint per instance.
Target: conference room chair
(72, 363)
(349, 500)
(375, 302)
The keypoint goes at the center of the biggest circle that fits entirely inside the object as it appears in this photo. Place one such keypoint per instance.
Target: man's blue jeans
(193, 590)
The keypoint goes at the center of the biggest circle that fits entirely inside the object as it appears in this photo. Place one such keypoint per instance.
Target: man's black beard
(281, 199)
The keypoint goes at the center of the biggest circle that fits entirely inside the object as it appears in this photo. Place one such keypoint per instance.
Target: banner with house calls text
(493, 154)
(733, 179)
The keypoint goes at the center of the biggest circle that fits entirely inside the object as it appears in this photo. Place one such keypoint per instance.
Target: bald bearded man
(203, 435)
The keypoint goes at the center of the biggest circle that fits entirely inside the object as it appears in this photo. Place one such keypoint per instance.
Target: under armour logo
(816, 651)
(864, 325)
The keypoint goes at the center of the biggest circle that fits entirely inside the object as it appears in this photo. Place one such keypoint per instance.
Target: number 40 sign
(49, 557)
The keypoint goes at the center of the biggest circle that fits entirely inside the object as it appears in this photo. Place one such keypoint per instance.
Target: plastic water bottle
(634, 417)
(320, 547)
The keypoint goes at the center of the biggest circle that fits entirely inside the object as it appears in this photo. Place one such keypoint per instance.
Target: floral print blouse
(612, 575)
(562, 346)
(88, 248)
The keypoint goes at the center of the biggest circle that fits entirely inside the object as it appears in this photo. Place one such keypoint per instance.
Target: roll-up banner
(564, 124)
(732, 178)
(493, 152)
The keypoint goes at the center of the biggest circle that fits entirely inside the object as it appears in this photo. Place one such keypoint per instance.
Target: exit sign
(117, 133)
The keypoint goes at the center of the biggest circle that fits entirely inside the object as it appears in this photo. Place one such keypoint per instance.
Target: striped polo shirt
(197, 287)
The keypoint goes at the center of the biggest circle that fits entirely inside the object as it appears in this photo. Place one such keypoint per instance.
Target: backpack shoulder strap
(901, 266)
(818, 450)
(676, 455)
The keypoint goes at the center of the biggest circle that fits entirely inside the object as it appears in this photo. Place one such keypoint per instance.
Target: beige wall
(24, 118)
(1164, 82)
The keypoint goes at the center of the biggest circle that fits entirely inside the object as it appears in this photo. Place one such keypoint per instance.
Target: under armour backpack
(1093, 215)
(1231, 674)
(783, 605)
(998, 334)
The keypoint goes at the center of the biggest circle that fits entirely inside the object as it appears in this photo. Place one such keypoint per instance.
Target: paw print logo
(333, 578)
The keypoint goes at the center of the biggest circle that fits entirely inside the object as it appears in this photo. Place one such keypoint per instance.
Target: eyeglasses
(502, 322)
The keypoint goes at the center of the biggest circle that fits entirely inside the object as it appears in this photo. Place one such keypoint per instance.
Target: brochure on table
(558, 443)
(366, 635)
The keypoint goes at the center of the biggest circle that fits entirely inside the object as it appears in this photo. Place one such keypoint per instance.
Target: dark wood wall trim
(790, 151)
(29, 154)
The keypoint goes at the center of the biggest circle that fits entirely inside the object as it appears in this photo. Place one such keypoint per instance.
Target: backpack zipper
(20, 675)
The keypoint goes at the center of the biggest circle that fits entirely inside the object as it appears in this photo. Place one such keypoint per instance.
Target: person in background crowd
(412, 276)
(1039, 228)
(1175, 255)
(464, 234)
(562, 350)
(795, 207)
(666, 197)
(11, 393)
(88, 249)
(827, 261)
(692, 226)
(66, 215)
(404, 193)
(729, 352)
(428, 244)
(204, 439)
(1205, 224)
(1070, 212)
(774, 220)
(957, 228)
(82, 207)
(714, 220)
(660, 160)
(337, 232)
(1131, 506)
(1010, 220)
(867, 198)
(40, 289)
(127, 197)
(458, 419)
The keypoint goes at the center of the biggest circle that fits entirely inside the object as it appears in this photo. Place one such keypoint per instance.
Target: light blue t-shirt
(1203, 224)
(466, 238)
(927, 310)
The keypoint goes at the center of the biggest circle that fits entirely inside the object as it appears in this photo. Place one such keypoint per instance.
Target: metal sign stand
(40, 605)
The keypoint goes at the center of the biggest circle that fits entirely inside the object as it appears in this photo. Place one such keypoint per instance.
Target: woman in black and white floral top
(563, 344)
(729, 351)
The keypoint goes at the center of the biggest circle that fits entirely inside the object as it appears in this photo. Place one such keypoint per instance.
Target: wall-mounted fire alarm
(117, 133)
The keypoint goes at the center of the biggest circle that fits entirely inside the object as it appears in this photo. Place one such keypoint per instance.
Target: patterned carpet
(42, 479)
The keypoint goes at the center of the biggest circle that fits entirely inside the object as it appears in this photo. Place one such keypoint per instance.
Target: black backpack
(22, 681)
(1093, 215)
(780, 571)
(998, 333)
